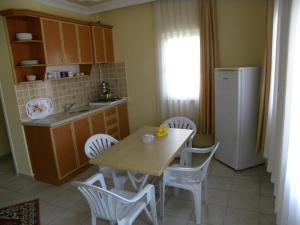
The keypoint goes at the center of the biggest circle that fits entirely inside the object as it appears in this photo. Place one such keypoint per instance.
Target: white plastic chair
(95, 146)
(189, 178)
(182, 122)
(116, 205)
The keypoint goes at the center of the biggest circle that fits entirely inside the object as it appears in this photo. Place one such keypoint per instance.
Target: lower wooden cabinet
(57, 153)
(64, 149)
(82, 132)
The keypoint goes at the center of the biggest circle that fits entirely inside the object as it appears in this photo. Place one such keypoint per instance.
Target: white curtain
(283, 132)
(178, 48)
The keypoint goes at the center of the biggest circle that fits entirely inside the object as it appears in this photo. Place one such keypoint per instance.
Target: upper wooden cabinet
(70, 43)
(61, 42)
(56, 41)
(103, 44)
(98, 44)
(109, 47)
(52, 41)
(85, 44)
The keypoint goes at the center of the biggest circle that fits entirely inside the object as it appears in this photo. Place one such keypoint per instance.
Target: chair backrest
(204, 166)
(103, 203)
(182, 122)
(97, 144)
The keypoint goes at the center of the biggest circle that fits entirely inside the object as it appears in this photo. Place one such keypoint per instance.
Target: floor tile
(221, 170)
(173, 220)
(178, 207)
(247, 201)
(69, 218)
(267, 205)
(241, 217)
(218, 197)
(222, 183)
(211, 214)
(18, 183)
(6, 177)
(267, 189)
(49, 212)
(246, 185)
(267, 219)
(60, 197)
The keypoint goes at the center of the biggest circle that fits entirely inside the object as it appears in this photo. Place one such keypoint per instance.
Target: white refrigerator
(236, 115)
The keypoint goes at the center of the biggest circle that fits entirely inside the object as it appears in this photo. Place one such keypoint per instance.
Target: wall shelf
(37, 65)
(28, 42)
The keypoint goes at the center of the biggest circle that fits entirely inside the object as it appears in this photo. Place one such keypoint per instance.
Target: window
(181, 57)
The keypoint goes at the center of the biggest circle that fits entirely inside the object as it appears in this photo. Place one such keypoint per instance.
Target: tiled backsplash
(115, 75)
(80, 90)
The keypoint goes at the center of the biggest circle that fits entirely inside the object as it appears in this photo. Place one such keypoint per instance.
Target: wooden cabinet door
(109, 47)
(64, 149)
(70, 43)
(85, 44)
(82, 133)
(98, 44)
(123, 120)
(98, 125)
(52, 41)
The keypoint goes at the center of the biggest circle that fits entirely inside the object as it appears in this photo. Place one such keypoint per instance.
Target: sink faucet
(68, 106)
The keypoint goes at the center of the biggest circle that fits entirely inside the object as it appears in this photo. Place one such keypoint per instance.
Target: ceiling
(91, 6)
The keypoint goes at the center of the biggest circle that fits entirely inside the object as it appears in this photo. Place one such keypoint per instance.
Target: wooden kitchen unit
(57, 153)
(56, 41)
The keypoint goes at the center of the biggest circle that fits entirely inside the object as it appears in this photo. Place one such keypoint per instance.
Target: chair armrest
(199, 150)
(180, 168)
(98, 177)
(147, 191)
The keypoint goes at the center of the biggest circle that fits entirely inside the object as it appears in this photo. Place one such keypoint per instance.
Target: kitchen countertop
(75, 113)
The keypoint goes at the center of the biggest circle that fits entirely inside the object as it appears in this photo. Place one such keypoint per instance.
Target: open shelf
(28, 42)
(36, 65)
(65, 78)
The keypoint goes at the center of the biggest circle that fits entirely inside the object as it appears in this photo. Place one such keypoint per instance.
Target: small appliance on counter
(105, 91)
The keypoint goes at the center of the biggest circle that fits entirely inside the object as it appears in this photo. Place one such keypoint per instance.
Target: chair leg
(162, 199)
(205, 190)
(197, 199)
(94, 219)
(153, 208)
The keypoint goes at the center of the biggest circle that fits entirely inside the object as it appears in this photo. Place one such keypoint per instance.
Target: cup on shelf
(70, 74)
(31, 77)
(64, 74)
(82, 74)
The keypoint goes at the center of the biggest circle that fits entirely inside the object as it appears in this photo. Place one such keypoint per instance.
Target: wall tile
(80, 90)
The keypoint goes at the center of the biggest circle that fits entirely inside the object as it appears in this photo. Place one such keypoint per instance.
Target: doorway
(7, 164)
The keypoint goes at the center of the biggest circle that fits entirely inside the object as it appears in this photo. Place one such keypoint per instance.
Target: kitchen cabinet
(52, 41)
(56, 41)
(103, 44)
(97, 123)
(85, 44)
(82, 132)
(57, 153)
(98, 44)
(109, 48)
(64, 149)
(70, 43)
(123, 120)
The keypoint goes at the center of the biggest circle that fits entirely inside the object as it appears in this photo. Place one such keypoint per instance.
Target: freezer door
(226, 115)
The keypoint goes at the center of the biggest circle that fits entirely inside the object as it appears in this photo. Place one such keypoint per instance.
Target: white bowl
(24, 36)
(29, 62)
(148, 138)
(31, 77)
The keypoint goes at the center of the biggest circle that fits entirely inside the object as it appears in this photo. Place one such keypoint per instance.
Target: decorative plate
(39, 108)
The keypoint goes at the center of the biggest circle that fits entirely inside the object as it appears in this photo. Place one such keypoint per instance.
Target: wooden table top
(131, 154)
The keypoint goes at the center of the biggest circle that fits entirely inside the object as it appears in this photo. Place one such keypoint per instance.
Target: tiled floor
(234, 198)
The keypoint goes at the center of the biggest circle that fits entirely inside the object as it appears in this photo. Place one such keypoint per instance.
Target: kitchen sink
(106, 101)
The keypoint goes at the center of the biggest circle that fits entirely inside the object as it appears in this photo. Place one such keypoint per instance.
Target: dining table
(142, 160)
